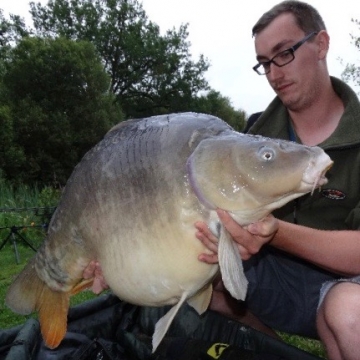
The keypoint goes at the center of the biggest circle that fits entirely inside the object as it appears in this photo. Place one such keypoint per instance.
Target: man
(293, 260)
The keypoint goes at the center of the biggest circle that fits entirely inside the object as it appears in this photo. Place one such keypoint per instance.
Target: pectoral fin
(231, 267)
(201, 300)
(163, 324)
(82, 285)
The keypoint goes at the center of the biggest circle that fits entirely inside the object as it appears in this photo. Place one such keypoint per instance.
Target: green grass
(312, 346)
(30, 227)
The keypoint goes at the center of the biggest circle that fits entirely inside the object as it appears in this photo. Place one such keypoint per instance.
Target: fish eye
(267, 154)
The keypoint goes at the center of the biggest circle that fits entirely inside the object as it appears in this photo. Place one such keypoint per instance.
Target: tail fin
(53, 307)
(29, 293)
(23, 293)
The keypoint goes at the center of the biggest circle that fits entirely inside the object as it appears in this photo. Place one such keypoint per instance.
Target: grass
(30, 225)
(312, 346)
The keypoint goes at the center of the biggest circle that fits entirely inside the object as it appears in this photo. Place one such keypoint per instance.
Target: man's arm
(336, 251)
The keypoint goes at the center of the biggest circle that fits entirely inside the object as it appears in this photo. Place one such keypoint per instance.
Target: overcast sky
(221, 31)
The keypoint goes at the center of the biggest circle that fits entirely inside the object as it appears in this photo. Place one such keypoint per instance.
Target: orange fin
(28, 293)
(53, 308)
(82, 285)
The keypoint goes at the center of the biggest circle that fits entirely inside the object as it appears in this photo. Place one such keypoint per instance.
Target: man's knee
(340, 309)
(338, 321)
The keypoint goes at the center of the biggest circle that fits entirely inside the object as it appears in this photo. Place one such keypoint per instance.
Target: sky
(221, 31)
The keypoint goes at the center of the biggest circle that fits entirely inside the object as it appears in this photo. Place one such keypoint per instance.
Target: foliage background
(82, 67)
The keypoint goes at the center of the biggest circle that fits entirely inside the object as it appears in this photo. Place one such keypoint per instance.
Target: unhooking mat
(108, 329)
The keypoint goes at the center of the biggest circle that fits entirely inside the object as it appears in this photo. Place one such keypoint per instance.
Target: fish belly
(157, 275)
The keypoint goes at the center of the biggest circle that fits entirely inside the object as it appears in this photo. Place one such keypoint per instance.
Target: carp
(131, 204)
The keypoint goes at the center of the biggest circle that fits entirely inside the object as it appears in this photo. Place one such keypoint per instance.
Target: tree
(11, 155)
(150, 73)
(58, 96)
(11, 31)
(352, 71)
(215, 104)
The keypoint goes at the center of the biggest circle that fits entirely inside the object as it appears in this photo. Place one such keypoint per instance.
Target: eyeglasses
(282, 58)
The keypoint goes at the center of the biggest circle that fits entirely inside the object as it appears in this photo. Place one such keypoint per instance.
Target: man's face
(295, 82)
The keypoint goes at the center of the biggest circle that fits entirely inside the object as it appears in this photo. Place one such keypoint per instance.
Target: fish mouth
(320, 179)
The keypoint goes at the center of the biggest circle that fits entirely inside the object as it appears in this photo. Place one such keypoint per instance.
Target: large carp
(132, 202)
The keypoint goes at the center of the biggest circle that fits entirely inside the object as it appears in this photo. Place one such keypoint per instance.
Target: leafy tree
(11, 154)
(11, 31)
(58, 94)
(215, 104)
(352, 71)
(150, 73)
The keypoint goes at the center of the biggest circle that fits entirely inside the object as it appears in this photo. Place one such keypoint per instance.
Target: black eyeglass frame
(291, 51)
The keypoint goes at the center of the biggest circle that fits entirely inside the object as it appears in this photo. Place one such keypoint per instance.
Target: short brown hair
(307, 17)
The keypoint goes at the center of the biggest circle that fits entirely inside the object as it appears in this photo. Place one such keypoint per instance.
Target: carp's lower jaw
(314, 176)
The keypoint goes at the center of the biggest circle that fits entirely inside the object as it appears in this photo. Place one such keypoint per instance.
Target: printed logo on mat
(216, 350)
(333, 194)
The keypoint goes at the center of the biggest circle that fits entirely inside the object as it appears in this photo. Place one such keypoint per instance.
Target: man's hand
(93, 270)
(209, 240)
(249, 239)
